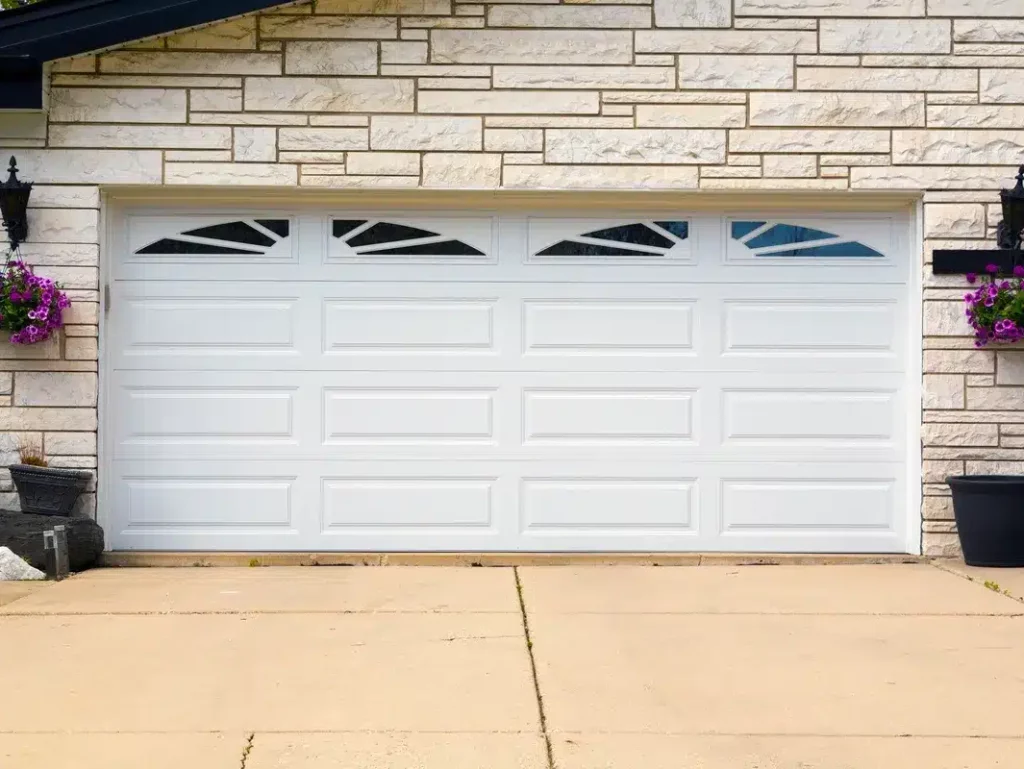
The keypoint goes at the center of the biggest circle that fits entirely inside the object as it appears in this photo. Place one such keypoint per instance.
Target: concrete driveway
(710, 667)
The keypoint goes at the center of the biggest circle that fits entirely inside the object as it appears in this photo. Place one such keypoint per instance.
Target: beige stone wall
(678, 94)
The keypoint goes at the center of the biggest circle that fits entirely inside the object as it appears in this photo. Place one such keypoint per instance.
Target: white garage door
(379, 380)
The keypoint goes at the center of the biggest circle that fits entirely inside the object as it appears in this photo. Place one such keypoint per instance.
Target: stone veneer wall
(686, 94)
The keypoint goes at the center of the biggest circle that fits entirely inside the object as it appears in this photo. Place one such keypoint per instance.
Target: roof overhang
(56, 29)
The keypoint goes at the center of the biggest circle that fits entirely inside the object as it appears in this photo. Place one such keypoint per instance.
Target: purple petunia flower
(992, 268)
(972, 278)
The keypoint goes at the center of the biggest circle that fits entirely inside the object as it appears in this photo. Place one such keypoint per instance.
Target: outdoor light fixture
(14, 196)
(1011, 229)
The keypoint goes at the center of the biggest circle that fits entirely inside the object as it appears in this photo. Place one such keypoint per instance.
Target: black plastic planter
(989, 511)
(49, 490)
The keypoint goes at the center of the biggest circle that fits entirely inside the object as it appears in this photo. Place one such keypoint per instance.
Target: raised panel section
(407, 502)
(776, 327)
(394, 326)
(408, 416)
(796, 504)
(207, 502)
(625, 327)
(154, 415)
(595, 504)
(642, 417)
(811, 417)
(208, 326)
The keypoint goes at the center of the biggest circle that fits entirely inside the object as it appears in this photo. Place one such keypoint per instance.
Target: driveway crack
(533, 672)
(247, 749)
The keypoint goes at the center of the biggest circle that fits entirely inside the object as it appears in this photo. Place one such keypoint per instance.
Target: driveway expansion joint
(533, 673)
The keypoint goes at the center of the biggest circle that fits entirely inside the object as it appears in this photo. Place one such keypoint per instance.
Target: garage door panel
(430, 381)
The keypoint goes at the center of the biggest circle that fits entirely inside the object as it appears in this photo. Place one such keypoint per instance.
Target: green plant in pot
(46, 490)
(989, 509)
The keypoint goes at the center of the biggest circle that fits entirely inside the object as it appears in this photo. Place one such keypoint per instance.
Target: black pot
(49, 490)
(989, 512)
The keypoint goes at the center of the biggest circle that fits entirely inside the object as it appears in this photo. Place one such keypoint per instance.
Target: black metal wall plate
(21, 83)
(963, 261)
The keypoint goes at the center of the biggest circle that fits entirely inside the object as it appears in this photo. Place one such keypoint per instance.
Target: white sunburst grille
(383, 241)
(779, 240)
(237, 238)
(645, 242)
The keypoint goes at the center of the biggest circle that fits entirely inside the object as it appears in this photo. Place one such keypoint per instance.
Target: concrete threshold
(136, 559)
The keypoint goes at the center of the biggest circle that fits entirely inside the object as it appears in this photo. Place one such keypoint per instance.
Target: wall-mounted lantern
(1009, 238)
(1011, 229)
(14, 195)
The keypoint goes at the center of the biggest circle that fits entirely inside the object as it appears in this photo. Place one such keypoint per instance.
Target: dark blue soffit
(55, 29)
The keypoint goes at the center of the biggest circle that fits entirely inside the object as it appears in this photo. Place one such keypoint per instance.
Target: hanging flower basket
(31, 307)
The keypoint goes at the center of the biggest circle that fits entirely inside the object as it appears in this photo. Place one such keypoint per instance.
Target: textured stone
(117, 105)
(885, 79)
(945, 319)
(736, 72)
(692, 13)
(975, 116)
(836, 109)
(601, 177)
(54, 389)
(798, 166)
(943, 391)
(461, 170)
(386, 7)
(23, 125)
(960, 434)
(937, 470)
(70, 444)
(1010, 9)
(215, 100)
(323, 139)
(61, 419)
(570, 16)
(726, 41)
(690, 116)
(789, 141)
(947, 147)
(827, 8)
(1010, 368)
(457, 46)
(58, 166)
(513, 140)
(393, 132)
(330, 57)
(584, 77)
(995, 398)
(960, 362)
(938, 509)
(901, 36)
(52, 225)
(954, 220)
(929, 177)
(988, 31)
(142, 137)
(328, 94)
(255, 145)
(250, 174)
(509, 102)
(181, 63)
(1002, 86)
(14, 569)
(383, 163)
(635, 146)
(237, 34)
(331, 27)
(403, 53)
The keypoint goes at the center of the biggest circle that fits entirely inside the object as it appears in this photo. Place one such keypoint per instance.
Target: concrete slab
(285, 589)
(121, 751)
(896, 589)
(662, 751)
(272, 672)
(773, 674)
(361, 750)
(15, 591)
(1009, 580)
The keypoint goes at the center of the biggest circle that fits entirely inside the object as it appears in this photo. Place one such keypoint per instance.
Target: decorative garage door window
(634, 243)
(382, 241)
(233, 238)
(779, 240)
